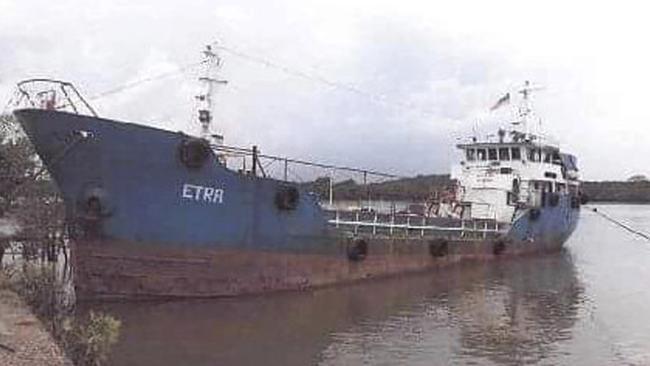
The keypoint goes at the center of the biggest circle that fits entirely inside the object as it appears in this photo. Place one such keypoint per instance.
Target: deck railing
(50, 94)
(374, 223)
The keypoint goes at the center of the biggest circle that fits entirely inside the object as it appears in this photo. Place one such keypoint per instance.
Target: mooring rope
(620, 224)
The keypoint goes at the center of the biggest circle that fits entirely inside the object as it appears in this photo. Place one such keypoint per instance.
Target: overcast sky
(429, 70)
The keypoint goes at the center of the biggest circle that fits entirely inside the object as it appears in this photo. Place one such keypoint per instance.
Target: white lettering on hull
(196, 193)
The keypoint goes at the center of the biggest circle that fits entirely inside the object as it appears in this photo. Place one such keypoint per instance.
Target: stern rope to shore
(621, 225)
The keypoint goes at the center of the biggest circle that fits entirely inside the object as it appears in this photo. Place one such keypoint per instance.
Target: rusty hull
(119, 270)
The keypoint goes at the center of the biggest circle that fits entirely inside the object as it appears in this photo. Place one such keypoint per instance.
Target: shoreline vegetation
(24, 339)
(41, 292)
(34, 257)
(422, 187)
(617, 191)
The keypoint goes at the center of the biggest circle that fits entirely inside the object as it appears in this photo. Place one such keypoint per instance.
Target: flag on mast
(503, 100)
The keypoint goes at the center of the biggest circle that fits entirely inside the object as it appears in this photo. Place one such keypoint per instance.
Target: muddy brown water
(586, 305)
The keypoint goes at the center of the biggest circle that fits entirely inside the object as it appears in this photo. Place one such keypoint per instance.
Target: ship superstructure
(519, 171)
(500, 183)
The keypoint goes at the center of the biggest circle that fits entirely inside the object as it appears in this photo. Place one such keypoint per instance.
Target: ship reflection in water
(508, 312)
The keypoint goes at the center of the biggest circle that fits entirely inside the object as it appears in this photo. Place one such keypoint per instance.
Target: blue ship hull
(148, 225)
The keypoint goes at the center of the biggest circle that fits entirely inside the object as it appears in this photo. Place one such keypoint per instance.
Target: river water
(586, 305)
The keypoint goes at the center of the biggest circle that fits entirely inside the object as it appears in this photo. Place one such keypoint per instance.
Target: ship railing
(50, 94)
(318, 178)
(369, 223)
(257, 167)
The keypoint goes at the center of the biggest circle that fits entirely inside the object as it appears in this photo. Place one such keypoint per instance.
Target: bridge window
(504, 153)
(549, 187)
(471, 154)
(555, 159)
(480, 154)
(492, 154)
(535, 155)
(515, 153)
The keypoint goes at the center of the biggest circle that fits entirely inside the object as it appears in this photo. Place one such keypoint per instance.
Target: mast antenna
(211, 64)
(525, 109)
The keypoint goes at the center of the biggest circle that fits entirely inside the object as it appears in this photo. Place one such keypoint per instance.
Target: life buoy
(287, 198)
(357, 250)
(438, 247)
(193, 152)
(498, 247)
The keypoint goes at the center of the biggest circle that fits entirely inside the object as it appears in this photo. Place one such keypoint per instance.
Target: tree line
(28, 198)
(422, 187)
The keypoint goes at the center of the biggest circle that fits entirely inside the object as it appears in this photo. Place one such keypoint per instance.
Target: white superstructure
(519, 170)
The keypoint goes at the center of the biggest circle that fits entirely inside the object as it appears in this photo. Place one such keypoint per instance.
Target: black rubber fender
(93, 206)
(357, 250)
(94, 203)
(575, 202)
(287, 198)
(438, 247)
(584, 198)
(498, 247)
(554, 199)
(194, 152)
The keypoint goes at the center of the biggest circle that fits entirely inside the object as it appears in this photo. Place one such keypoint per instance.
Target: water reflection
(508, 312)
(511, 312)
(522, 313)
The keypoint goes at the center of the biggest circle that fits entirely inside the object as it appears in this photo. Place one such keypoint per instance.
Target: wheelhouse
(518, 171)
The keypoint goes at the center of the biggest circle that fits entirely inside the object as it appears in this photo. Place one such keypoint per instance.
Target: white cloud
(449, 60)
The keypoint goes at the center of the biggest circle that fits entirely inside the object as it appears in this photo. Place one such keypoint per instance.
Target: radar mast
(525, 108)
(211, 65)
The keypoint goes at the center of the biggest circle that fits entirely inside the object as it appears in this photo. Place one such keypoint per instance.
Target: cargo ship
(160, 214)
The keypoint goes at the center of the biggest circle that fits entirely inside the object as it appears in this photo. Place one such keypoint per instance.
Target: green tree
(28, 195)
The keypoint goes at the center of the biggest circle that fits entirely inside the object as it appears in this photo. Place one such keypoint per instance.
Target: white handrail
(358, 223)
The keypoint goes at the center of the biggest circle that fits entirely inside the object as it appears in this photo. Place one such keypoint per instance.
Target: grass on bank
(86, 341)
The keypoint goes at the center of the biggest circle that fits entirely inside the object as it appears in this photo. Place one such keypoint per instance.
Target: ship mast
(525, 108)
(211, 64)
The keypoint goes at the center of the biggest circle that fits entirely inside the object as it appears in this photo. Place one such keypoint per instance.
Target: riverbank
(23, 338)
(621, 192)
(423, 187)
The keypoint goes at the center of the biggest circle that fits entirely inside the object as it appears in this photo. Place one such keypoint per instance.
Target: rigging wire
(620, 224)
(296, 176)
(377, 98)
(139, 82)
